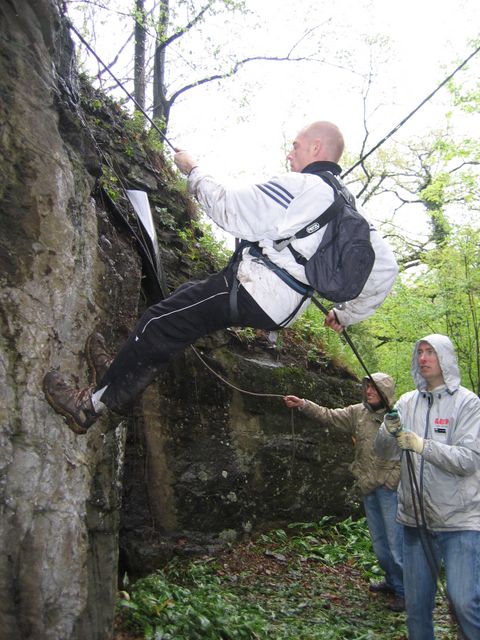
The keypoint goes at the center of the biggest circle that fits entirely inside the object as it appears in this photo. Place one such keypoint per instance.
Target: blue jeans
(387, 535)
(460, 552)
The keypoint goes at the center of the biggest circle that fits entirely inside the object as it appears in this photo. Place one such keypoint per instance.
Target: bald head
(329, 139)
(320, 140)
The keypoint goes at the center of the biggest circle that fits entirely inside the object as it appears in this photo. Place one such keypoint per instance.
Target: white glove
(392, 423)
(410, 440)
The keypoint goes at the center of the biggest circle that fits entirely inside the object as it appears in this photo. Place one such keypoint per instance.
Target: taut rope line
(119, 83)
(400, 124)
(354, 166)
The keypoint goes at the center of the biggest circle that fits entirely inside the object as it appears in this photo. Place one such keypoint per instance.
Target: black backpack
(340, 266)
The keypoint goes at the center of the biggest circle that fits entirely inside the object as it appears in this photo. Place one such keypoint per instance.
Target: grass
(309, 582)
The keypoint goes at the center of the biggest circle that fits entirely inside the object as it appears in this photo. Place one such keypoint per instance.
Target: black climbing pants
(193, 310)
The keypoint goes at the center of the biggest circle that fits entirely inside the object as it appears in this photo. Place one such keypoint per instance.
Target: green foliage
(434, 193)
(330, 542)
(306, 583)
(466, 98)
(135, 125)
(213, 245)
(324, 344)
(165, 218)
(155, 141)
(198, 606)
(456, 271)
(310, 331)
(198, 601)
(440, 297)
(246, 335)
(110, 182)
(200, 241)
(187, 236)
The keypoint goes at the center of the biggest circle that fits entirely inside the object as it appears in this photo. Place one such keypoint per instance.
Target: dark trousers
(193, 310)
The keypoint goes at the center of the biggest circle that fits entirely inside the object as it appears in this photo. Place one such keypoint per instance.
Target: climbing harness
(304, 290)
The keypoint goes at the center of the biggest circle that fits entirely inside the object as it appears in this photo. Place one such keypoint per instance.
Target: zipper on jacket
(429, 397)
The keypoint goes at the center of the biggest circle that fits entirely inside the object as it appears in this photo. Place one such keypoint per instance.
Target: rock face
(59, 495)
(208, 464)
(197, 463)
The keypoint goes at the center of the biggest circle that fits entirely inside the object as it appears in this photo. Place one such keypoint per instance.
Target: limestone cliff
(197, 462)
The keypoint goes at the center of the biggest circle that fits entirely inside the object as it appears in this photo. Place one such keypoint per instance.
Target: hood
(384, 382)
(446, 357)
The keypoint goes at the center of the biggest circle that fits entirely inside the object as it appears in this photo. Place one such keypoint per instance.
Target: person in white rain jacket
(261, 212)
(439, 491)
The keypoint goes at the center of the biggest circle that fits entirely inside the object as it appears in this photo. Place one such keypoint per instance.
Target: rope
(230, 384)
(254, 393)
(350, 343)
(137, 105)
(400, 124)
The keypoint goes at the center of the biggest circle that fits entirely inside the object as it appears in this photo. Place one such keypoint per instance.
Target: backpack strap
(233, 295)
(301, 288)
(305, 290)
(322, 220)
(337, 186)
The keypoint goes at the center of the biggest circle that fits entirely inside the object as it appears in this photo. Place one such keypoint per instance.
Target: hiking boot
(73, 404)
(398, 604)
(98, 357)
(380, 587)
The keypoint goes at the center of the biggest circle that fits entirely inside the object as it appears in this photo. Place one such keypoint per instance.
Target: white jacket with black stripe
(278, 209)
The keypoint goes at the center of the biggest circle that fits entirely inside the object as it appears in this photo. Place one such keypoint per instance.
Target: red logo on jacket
(441, 420)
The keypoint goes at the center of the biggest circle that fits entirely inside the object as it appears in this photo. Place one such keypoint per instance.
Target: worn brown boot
(98, 357)
(75, 405)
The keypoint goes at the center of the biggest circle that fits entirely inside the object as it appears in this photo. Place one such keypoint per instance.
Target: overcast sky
(418, 43)
(240, 128)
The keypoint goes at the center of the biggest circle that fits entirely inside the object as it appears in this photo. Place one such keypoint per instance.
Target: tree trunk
(139, 56)
(161, 106)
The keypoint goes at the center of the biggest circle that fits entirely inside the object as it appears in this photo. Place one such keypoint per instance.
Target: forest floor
(302, 596)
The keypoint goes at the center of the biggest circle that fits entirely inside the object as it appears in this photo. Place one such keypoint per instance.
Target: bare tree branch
(237, 66)
(185, 29)
(305, 35)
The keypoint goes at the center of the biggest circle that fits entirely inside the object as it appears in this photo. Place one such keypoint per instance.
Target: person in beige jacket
(376, 478)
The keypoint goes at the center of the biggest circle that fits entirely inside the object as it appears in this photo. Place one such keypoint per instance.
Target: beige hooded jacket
(362, 423)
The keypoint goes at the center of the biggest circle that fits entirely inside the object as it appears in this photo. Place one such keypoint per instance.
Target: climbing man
(436, 436)
(247, 292)
(376, 479)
